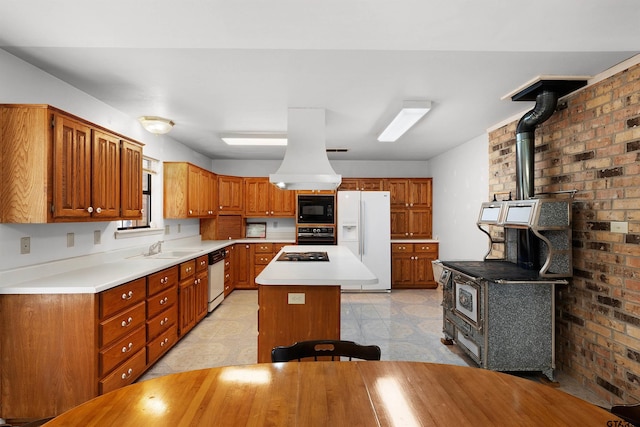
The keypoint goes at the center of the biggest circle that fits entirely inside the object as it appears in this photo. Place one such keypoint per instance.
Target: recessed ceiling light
(255, 139)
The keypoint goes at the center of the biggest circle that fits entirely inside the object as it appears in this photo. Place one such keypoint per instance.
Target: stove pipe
(546, 101)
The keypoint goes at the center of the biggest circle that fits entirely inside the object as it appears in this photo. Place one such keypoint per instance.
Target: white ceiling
(217, 66)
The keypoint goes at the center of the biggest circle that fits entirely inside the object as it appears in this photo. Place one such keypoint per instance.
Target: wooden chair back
(325, 348)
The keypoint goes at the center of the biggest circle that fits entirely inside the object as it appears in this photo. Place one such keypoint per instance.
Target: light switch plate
(70, 240)
(619, 227)
(25, 245)
(295, 298)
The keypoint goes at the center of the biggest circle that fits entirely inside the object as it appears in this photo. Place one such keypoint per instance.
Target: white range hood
(305, 165)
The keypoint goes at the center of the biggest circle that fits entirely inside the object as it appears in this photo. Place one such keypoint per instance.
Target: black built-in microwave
(316, 209)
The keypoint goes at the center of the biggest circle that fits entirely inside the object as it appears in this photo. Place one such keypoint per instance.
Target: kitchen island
(300, 300)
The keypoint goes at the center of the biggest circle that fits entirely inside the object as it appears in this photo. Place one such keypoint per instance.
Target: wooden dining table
(362, 393)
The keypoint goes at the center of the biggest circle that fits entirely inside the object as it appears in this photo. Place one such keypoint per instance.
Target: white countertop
(343, 268)
(99, 272)
(414, 241)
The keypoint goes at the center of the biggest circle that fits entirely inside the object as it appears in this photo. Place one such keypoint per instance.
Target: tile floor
(406, 324)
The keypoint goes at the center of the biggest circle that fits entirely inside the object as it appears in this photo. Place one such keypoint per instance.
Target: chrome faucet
(156, 248)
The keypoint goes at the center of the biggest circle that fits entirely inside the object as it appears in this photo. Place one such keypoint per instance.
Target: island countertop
(342, 268)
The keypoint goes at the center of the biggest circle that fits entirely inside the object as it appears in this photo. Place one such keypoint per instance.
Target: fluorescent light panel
(411, 112)
(255, 140)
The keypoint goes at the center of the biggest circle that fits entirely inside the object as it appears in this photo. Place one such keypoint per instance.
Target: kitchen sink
(164, 255)
(173, 254)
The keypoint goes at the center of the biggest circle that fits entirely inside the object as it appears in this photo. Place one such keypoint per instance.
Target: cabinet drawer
(161, 301)
(264, 247)
(426, 247)
(125, 374)
(122, 323)
(187, 269)
(401, 247)
(162, 343)
(121, 297)
(162, 322)
(162, 280)
(262, 259)
(202, 262)
(121, 350)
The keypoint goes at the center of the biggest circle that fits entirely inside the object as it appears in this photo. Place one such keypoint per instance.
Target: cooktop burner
(303, 256)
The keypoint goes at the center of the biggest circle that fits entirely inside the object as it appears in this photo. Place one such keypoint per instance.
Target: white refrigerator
(364, 227)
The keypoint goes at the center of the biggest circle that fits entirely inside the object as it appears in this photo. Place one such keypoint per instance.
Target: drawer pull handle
(126, 375)
(163, 343)
(128, 295)
(163, 321)
(164, 300)
(128, 348)
(127, 322)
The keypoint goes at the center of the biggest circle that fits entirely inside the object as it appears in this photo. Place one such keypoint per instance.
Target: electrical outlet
(25, 245)
(167, 230)
(70, 240)
(275, 224)
(179, 227)
(295, 298)
(96, 237)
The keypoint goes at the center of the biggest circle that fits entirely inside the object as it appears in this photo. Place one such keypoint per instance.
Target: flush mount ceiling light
(157, 125)
(255, 139)
(411, 112)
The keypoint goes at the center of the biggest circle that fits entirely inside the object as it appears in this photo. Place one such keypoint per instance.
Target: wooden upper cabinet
(230, 194)
(398, 191)
(420, 192)
(131, 180)
(189, 191)
(362, 184)
(263, 199)
(283, 202)
(71, 168)
(56, 167)
(105, 175)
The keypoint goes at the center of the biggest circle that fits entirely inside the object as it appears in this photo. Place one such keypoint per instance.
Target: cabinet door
(193, 191)
(348, 184)
(105, 188)
(419, 223)
(202, 294)
(420, 193)
(230, 194)
(187, 312)
(208, 193)
(283, 202)
(399, 192)
(401, 270)
(399, 223)
(422, 270)
(131, 180)
(71, 168)
(370, 184)
(256, 197)
(243, 266)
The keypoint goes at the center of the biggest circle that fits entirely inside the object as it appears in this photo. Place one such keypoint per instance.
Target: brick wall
(592, 144)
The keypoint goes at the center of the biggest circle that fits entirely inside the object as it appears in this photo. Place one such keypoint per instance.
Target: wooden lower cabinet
(281, 323)
(229, 270)
(411, 265)
(62, 350)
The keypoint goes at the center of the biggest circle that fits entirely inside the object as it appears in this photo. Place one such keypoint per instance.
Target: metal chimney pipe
(546, 102)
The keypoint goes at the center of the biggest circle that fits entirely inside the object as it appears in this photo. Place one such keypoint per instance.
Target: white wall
(346, 168)
(460, 185)
(24, 83)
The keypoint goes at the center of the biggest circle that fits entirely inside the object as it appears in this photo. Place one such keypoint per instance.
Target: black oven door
(315, 209)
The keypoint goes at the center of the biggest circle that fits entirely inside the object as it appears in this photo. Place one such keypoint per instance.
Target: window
(148, 168)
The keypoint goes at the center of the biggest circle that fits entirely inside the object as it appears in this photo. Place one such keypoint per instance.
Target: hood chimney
(305, 165)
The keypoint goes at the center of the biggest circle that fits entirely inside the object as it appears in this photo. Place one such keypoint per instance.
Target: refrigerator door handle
(361, 228)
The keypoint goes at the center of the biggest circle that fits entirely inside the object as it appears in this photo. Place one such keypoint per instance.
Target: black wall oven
(316, 209)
